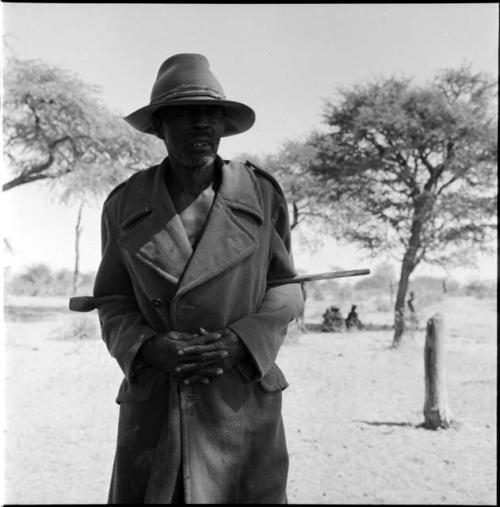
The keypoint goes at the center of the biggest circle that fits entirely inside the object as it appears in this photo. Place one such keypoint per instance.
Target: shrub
(481, 289)
(373, 284)
(78, 327)
(31, 282)
(40, 280)
(450, 285)
(382, 305)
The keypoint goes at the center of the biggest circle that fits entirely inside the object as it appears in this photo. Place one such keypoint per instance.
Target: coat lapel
(230, 232)
(152, 233)
(158, 238)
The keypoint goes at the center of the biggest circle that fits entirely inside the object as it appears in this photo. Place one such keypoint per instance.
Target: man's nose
(202, 118)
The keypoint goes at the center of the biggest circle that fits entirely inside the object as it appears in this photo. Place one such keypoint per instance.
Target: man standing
(188, 247)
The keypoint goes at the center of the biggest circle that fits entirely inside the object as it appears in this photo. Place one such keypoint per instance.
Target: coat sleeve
(123, 327)
(263, 332)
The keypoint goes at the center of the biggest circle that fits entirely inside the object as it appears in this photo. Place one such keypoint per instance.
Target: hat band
(183, 91)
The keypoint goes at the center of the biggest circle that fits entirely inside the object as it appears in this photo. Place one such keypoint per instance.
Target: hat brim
(238, 117)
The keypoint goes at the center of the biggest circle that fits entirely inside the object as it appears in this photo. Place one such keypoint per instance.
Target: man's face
(192, 133)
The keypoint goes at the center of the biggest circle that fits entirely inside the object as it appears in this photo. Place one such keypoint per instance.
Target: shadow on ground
(386, 423)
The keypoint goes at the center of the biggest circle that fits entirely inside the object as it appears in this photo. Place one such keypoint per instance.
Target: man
(352, 319)
(187, 250)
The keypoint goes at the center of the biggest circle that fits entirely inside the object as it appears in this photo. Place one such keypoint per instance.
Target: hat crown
(186, 79)
(186, 75)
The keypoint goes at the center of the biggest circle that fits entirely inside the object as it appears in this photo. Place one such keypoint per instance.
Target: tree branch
(35, 173)
(22, 179)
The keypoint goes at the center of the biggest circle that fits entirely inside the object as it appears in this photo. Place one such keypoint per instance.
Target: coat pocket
(274, 380)
(139, 392)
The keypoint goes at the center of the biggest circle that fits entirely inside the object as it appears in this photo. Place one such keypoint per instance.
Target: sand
(352, 410)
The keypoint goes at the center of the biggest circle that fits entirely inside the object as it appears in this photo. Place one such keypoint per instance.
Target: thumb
(207, 336)
(177, 335)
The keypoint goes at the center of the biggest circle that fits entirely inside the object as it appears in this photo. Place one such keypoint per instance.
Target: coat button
(157, 302)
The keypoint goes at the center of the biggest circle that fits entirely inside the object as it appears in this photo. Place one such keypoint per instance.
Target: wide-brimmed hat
(186, 79)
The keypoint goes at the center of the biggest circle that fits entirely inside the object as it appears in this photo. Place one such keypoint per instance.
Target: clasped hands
(196, 357)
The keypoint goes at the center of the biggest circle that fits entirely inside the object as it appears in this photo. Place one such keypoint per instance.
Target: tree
(57, 130)
(298, 184)
(78, 234)
(414, 167)
(289, 165)
(54, 124)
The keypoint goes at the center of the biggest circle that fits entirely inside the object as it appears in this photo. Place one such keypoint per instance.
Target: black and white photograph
(249, 253)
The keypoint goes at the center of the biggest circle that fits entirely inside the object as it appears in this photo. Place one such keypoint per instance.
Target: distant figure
(300, 319)
(412, 314)
(353, 320)
(333, 320)
(411, 306)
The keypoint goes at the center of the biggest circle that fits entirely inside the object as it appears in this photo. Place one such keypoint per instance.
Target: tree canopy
(416, 164)
(55, 124)
(405, 153)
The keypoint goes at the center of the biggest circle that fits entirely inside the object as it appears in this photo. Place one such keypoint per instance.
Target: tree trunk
(436, 411)
(423, 207)
(399, 308)
(78, 232)
(295, 220)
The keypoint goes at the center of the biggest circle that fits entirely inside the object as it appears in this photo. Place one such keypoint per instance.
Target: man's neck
(190, 179)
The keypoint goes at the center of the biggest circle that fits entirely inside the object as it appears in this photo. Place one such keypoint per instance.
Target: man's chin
(197, 160)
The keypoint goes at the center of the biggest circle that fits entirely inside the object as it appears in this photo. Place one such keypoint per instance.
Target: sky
(284, 60)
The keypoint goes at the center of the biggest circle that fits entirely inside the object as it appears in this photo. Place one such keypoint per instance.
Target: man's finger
(204, 357)
(201, 341)
(178, 336)
(209, 336)
(194, 379)
(195, 367)
(201, 349)
(208, 373)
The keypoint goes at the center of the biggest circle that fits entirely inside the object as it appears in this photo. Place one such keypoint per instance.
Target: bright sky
(283, 60)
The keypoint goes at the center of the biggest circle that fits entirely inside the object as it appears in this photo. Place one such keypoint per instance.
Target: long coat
(228, 435)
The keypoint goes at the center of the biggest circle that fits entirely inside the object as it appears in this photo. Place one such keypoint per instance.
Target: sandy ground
(351, 412)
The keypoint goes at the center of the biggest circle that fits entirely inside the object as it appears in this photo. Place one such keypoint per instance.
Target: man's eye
(218, 113)
(187, 112)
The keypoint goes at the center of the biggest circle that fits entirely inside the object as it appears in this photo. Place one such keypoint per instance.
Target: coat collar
(152, 233)
(240, 190)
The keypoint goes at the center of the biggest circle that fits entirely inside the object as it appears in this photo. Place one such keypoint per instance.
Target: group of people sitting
(333, 320)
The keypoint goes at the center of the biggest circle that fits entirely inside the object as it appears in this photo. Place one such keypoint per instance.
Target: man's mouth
(200, 144)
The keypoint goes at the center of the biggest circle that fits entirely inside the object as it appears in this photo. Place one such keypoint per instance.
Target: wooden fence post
(436, 411)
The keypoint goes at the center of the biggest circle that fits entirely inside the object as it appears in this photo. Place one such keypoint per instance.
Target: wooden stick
(89, 303)
(319, 276)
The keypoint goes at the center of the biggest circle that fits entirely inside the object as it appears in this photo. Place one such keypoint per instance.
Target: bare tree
(78, 233)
